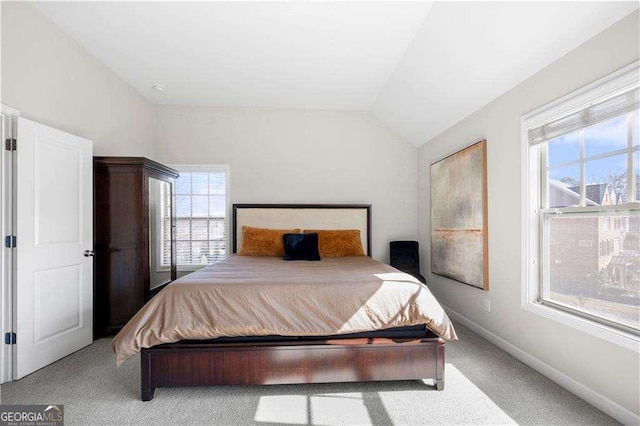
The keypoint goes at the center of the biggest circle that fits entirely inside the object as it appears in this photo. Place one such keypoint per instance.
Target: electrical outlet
(487, 305)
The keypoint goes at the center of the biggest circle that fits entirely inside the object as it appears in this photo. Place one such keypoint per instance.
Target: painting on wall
(459, 231)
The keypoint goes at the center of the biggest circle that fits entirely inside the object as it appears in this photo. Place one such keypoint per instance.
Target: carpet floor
(484, 385)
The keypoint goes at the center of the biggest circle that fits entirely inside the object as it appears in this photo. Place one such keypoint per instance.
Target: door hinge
(10, 144)
(10, 338)
(10, 241)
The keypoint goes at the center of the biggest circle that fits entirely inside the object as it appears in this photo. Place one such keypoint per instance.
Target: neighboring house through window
(582, 182)
(201, 197)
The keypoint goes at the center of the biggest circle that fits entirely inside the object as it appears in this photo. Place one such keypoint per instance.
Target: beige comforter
(252, 296)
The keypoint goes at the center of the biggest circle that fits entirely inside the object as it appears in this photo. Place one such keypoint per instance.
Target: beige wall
(51, 79)
(297, 156)
(607, 369)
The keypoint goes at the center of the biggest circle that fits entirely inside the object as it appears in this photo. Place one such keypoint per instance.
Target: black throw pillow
(301, 247)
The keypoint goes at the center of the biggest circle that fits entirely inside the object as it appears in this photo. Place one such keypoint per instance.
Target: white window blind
(200, 197)
(615, 106)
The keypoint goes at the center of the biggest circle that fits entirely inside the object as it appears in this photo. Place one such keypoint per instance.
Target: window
(201, 197)
(582, 206)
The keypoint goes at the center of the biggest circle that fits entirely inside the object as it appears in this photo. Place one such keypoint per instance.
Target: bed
(262, 320)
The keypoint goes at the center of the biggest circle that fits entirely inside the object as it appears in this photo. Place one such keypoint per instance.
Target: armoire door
(53, 297)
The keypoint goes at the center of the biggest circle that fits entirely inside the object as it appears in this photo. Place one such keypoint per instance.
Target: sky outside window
(601, 171)
(605, 137)
(564, 149)
(569, 175)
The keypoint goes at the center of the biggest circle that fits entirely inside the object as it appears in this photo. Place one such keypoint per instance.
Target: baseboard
(602, 403)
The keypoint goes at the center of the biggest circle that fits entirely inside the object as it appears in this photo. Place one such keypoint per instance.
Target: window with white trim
(583, 210)
(201, 198)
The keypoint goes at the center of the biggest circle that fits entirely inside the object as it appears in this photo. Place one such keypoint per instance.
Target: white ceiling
(468, 53)
(269, 54)
(419, 66)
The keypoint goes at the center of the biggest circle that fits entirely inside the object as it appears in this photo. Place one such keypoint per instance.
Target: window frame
(533, 192)
(206, 168)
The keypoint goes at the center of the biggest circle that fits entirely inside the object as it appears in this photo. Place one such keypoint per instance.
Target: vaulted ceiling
(420, 67)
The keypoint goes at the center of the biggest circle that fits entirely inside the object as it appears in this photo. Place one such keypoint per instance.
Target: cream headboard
(303, 216)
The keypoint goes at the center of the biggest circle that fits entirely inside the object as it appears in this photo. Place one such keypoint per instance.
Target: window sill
(189, 268)
(618, 337)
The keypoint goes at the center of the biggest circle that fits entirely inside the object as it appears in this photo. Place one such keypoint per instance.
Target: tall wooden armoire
(133, 218)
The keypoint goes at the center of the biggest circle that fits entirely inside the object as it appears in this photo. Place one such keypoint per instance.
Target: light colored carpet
(484, 385)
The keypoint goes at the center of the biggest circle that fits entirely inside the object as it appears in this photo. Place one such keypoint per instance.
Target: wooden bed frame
(282, 361)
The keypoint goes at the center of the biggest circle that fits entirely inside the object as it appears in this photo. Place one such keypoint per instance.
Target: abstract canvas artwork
(459, 248)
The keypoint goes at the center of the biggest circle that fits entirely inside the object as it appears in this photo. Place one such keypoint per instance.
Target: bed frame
(285, 361)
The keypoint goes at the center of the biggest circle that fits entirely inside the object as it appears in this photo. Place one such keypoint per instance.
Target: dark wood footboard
(289, 362)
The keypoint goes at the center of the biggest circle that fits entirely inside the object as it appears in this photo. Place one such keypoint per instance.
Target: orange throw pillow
(263, 241)
(338, 242)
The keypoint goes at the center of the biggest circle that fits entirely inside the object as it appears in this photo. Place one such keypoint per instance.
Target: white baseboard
(602, 403)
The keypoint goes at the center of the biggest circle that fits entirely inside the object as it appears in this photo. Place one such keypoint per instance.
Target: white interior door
(53, 306)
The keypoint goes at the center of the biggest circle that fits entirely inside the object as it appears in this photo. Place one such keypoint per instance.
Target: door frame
(7, 224)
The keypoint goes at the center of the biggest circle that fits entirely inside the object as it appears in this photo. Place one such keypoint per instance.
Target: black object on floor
(405, 256)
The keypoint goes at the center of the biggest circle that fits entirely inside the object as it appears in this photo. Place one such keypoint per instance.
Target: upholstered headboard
(303, 216)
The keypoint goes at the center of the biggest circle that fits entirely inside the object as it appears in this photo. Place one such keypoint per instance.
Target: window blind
(615, 106)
